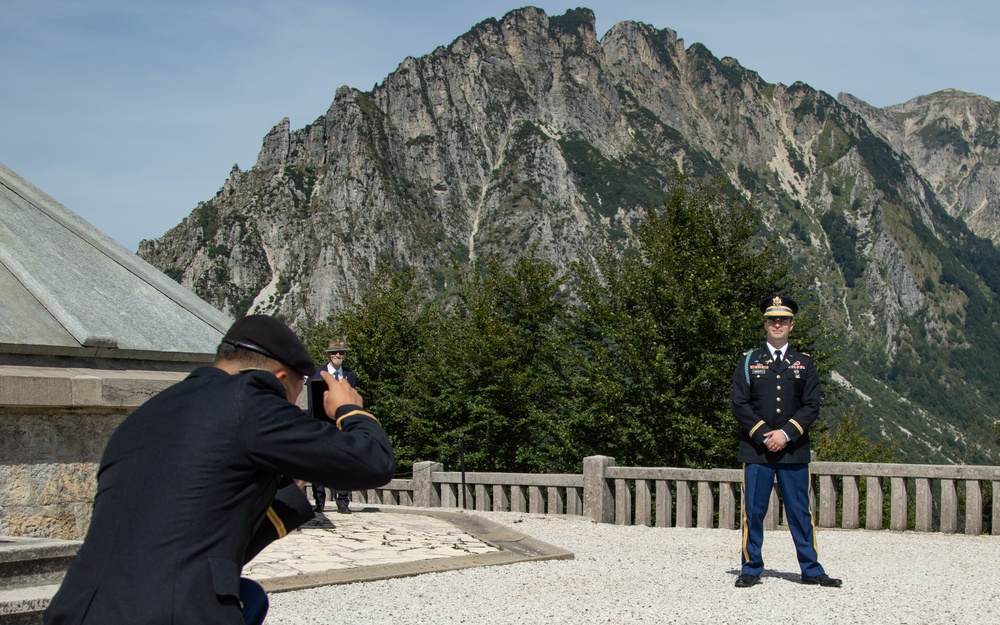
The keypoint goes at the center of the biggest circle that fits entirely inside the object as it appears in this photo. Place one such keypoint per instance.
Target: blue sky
(130, 112)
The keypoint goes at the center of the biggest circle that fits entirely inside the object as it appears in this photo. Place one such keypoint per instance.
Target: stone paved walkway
(378, 543)
(372, 543)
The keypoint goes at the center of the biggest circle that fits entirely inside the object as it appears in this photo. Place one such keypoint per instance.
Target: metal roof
(70, 290)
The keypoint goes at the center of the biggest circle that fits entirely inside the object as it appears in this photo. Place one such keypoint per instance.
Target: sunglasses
(338, 352)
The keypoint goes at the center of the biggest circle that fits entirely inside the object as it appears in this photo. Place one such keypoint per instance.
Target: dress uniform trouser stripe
(743, 506)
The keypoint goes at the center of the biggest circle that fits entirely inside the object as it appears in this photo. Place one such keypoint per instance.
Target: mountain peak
(527, 133)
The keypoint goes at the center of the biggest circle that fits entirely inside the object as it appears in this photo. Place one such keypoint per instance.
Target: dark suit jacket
(352, 379)
(188, 480)
(350, 376)
(288, 509)
(771, 396)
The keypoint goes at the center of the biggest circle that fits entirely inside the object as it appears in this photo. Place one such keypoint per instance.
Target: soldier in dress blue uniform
(775, 401)
(192, 485)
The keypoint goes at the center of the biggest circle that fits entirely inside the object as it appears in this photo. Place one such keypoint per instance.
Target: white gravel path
(625, 574)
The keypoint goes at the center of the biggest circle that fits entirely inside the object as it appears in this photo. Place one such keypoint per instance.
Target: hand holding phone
(327, 394)
(317, 388)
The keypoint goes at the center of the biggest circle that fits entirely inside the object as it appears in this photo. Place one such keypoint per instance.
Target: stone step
(30, 572)
(24, 606)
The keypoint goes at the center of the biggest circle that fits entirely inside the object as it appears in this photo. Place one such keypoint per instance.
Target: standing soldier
(775, 401)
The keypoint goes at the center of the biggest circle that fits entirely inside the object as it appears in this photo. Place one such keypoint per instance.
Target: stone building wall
(54, 425)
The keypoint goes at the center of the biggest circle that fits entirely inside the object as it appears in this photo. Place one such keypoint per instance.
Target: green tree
(501, 391)
(388, 328)
(532, 371)
(481, 371)
(662, 327)
(844, 441)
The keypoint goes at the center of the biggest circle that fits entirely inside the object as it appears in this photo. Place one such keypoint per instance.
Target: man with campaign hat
(775, 400)
(336, 353)
(195, 482)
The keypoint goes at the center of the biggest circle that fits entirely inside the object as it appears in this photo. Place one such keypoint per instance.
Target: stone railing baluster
(518, 503)
(949, 507)
(554, 500)
(483, 502)
(574, 500)
(663, 496)
(501, 502)
(874, 503)
(827, 502)
(684, 503)
(643, 503)
(973, 507)
(706, 505)
(899, 512)
(727, 506)
(536, 503)
(850, 517)
(449, 496)
(996, 507)
(925, 505)
(623, 502)
(664, 504)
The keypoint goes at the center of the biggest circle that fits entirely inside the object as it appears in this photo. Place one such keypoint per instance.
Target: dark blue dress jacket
(771, 395)
(189, 487)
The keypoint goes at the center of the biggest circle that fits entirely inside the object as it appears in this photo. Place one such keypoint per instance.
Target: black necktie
(777, 355)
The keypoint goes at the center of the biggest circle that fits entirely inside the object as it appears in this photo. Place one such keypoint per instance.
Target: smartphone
(317, 387)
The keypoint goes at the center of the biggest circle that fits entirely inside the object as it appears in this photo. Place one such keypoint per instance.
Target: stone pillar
(598, 498)
(425, 495)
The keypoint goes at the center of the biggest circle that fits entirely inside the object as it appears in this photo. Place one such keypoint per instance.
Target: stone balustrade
(55, 422)
(900, 497)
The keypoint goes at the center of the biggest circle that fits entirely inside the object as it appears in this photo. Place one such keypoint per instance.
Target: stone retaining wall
(54, 425)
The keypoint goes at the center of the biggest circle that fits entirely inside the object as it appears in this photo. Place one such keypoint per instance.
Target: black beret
(272, 338)
(778, 306)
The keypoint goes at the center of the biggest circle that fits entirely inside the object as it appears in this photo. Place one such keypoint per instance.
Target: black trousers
(342, 497)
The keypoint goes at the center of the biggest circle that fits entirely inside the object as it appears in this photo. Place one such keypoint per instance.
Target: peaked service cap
(778, 306)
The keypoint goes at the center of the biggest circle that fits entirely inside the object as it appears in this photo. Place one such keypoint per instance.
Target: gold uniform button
(779, 387)
(779, 410)
(779, 399)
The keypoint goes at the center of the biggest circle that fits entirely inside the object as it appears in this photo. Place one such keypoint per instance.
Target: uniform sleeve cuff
(350, 410)
(797, 432)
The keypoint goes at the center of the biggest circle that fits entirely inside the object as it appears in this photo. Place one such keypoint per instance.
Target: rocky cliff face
(531, 131)
(953, 140)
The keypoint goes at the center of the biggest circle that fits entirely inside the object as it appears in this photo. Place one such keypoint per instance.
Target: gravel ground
(626, 574)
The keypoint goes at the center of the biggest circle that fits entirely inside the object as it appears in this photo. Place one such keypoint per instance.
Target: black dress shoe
(343, 510)
(747, 580)
(824, 580)
(319, 508)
